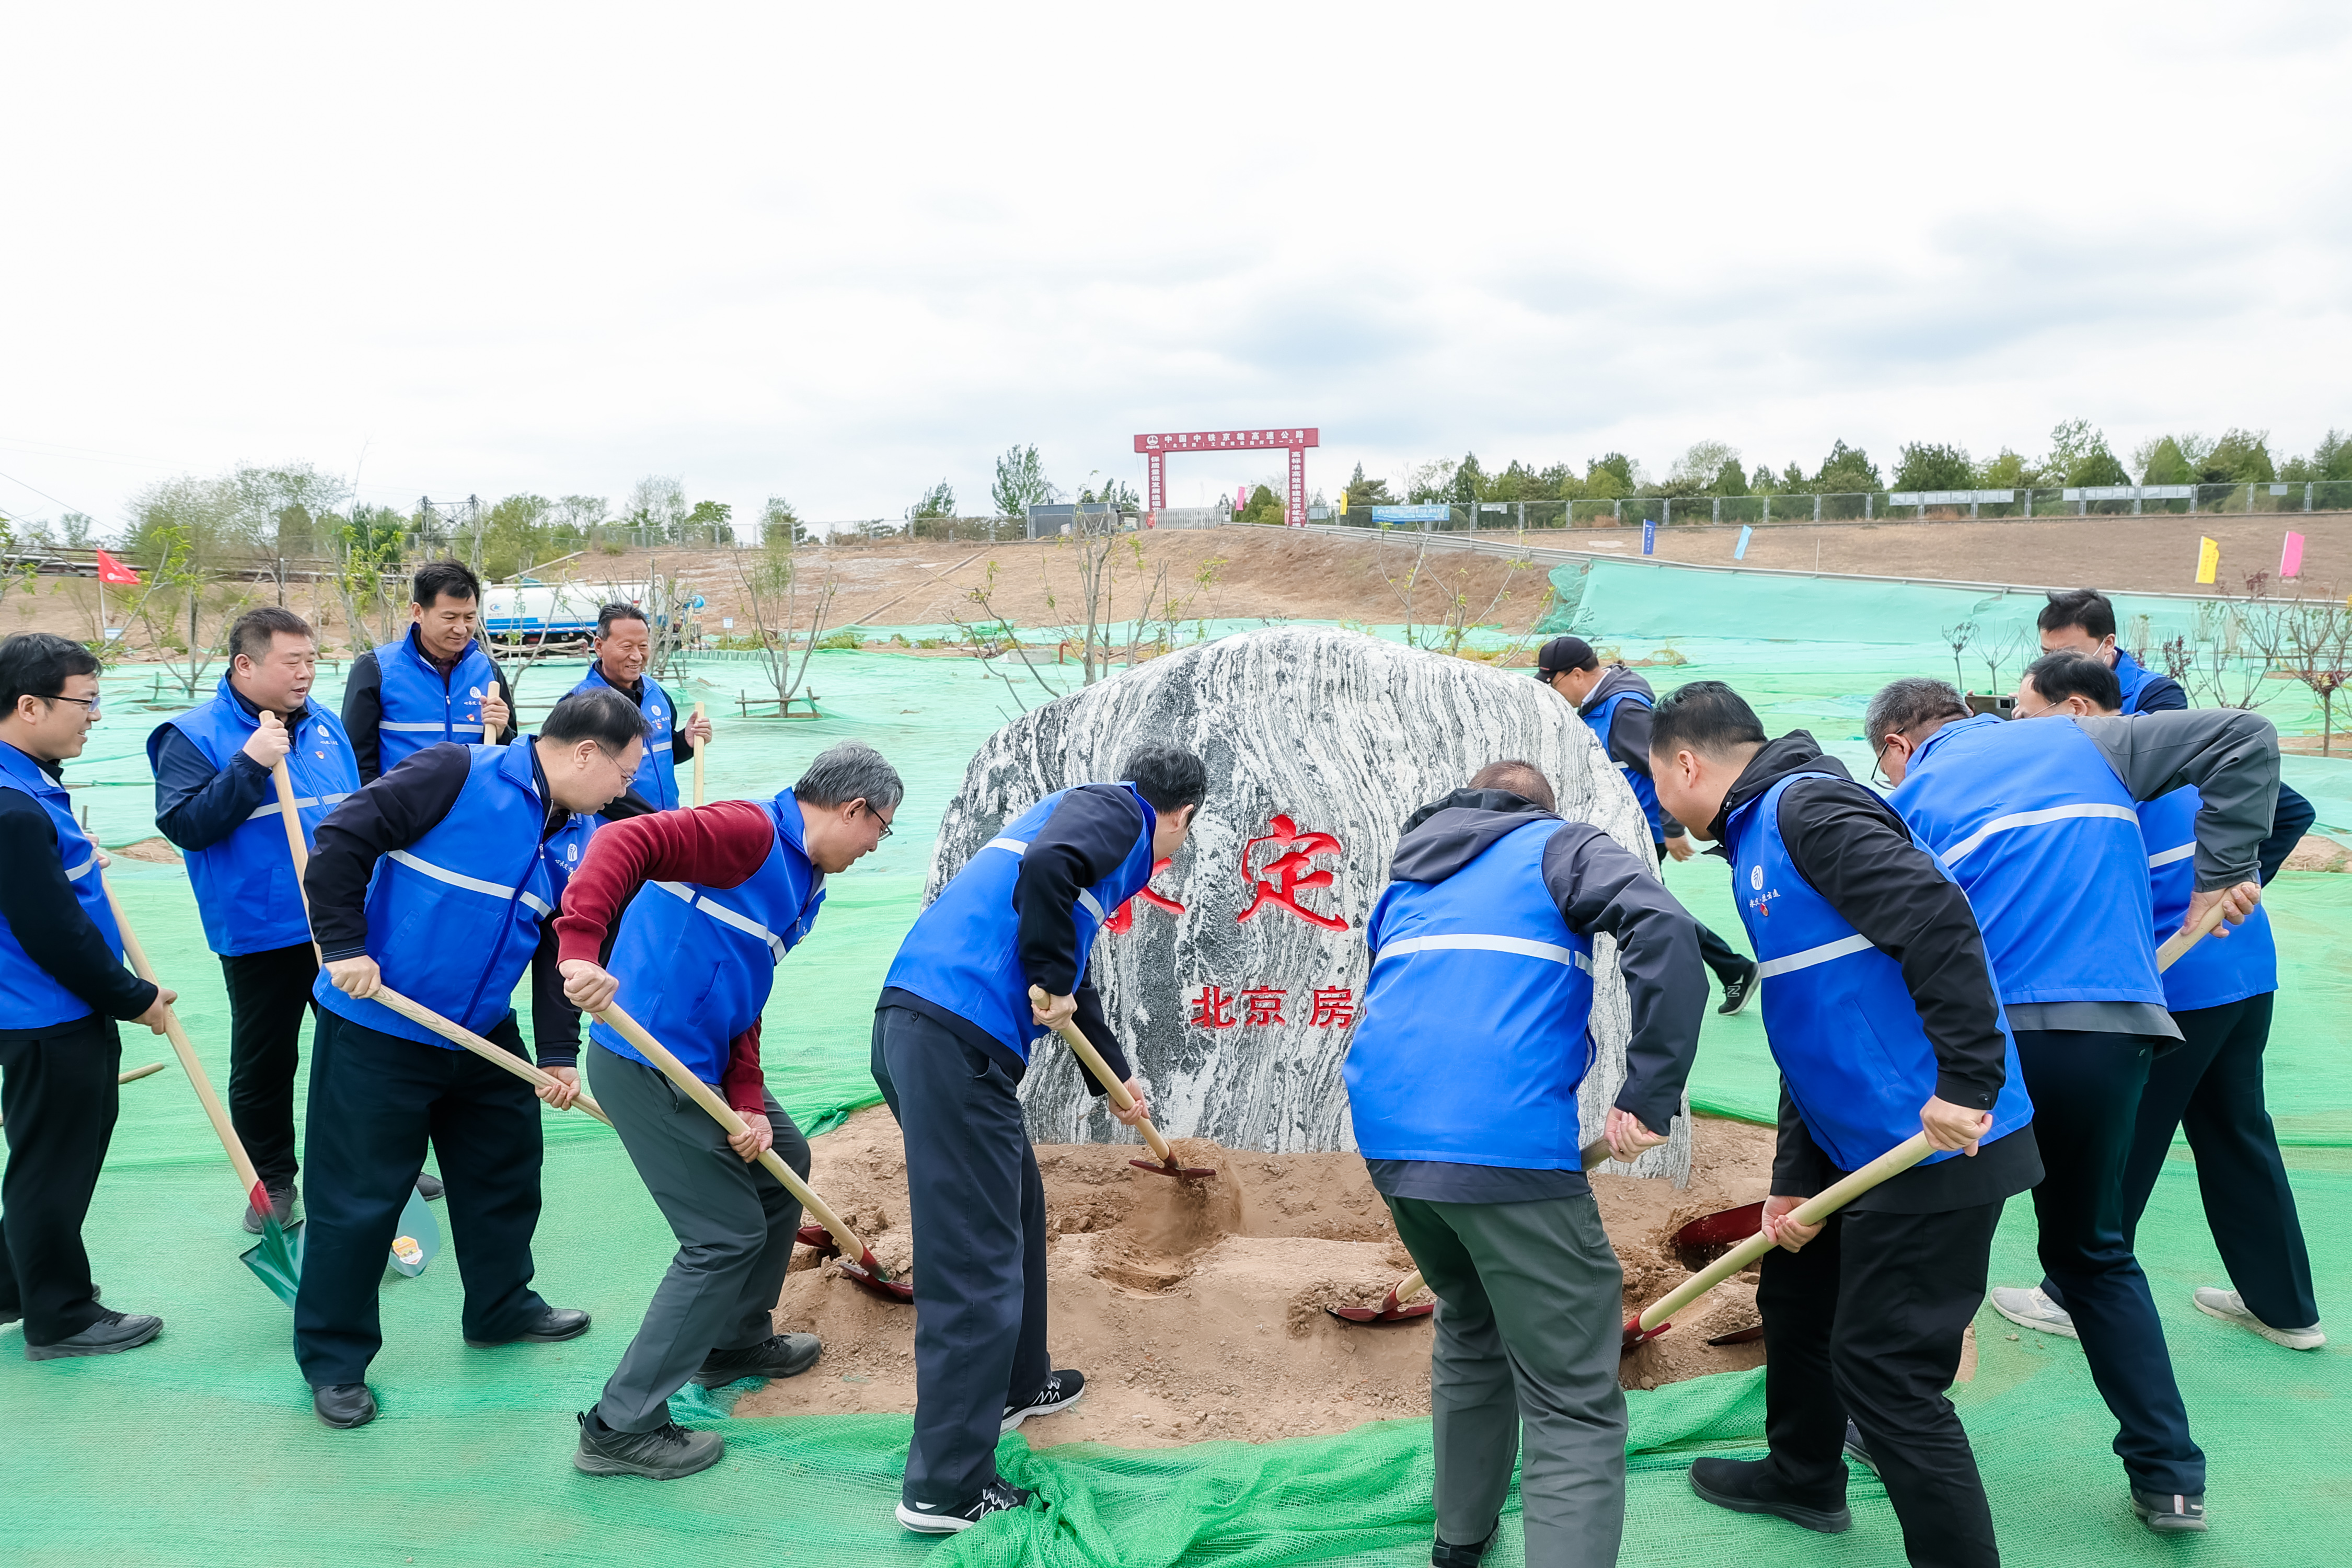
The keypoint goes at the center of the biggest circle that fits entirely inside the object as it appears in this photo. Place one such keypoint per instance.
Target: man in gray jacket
(1462, 1080)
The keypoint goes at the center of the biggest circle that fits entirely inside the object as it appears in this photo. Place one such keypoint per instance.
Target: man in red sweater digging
(697, 907)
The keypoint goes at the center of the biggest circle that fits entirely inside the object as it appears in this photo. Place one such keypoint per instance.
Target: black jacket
(1851, 849)
(363, 709)
(1629, 732)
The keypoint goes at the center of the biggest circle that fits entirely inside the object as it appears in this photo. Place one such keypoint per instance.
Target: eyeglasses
(878, 817)
(89, 702)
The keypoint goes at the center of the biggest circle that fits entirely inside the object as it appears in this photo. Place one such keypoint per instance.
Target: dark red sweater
(719, 845)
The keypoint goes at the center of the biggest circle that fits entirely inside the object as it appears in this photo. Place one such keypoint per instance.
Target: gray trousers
(1529, 1297)
(734, 1225)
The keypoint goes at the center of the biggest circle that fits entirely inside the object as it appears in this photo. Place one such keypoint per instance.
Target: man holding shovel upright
(624, 645)
(1462, 1081)
(213, 800)
(62, 990)
(1879, 1010)
(2220, 995)
(734, 887)
(2039, 822)
(952, 1032)
(434, 881)
(434, 684)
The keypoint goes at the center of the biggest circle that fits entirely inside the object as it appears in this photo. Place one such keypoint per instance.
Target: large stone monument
(1235, 978)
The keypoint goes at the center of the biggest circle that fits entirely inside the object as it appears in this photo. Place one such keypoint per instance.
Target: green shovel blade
(277, 1261)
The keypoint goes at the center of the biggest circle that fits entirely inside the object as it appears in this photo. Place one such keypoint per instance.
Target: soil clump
(1196, 1309)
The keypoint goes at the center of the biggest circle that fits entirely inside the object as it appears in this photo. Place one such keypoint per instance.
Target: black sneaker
(113, 1334)
(777, 1355)
(1060, 1392)
(995, 1498)
(1857, 1450)
(428, 1185)
(1744, 1486)
(1736, 993)
(1442, 1554)
(664, 1453)
(282, 1204)
(2170, 1514)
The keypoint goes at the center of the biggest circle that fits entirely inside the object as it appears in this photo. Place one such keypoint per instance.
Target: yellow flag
(1343, 503)
(2208, 559)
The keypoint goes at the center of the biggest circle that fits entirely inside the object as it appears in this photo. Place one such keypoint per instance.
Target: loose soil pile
(1196, 1311)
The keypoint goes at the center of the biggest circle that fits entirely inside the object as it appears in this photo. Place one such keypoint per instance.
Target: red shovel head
(1173, 1171)
(1388, 1311)
(1636, 1335)
(866, 1273)
(1706, 1238)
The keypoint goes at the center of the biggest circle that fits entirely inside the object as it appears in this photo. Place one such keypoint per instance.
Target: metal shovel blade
(866, 1273)
(1388, 1311)
(276, 1259)
(1173, 1171)
(418, 1241)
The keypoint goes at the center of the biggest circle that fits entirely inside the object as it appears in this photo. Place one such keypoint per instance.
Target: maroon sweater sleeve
(720, 845)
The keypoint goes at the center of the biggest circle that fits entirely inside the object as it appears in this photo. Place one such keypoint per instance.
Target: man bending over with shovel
(1462, 1081)
(952, 1032)
(434, 881)
(1879, 1007)
(735, 885)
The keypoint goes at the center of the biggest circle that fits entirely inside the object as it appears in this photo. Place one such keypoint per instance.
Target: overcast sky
(839, 253)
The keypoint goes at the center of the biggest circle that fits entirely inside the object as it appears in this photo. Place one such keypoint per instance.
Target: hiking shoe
(2170, 1514)
(1736, 993)
(1857, 1450)
(1058, 1392)
(113, 1334)
(1744, 1487)
(2030, 1309)
(664, 1453)
(551, 1325)
(777, 1355)
(1445, 1554)
(344, 1405)
(428, 1185)
(995, 1498)
(2231, 1308)
(282, 1204)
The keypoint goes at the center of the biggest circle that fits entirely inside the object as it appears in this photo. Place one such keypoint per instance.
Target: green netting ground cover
(201, 1447)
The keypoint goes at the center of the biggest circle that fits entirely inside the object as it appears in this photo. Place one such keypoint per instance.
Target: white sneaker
(2030, 1309)
(2231, 1308)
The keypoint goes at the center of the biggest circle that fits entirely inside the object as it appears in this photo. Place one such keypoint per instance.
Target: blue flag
(1649, 537)
(1741, 552)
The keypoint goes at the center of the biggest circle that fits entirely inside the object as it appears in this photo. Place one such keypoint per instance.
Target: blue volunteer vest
(2029, 817)
(1842, 1025)
(453, 919)
(29, 998)
(420, 709)
(1644, 790)
(656, 777)
(697, 964)
(1473, 1039)
(245, 884)
(964, 953)
(2212, 972)
(2131, 676)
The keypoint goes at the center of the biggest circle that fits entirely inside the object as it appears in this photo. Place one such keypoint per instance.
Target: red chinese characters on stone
(1334, 1008)
(1261, 1006)
(1214, 1008)
(1124, 916)
(1291, 870)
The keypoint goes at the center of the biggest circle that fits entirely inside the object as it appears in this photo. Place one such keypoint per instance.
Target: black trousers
(376, 1100)
(266, 993)
(1867, 1321)
(2213, 1085)
(57, 1097)
(978, 1205)
(2087, 1090)
(1720, 956)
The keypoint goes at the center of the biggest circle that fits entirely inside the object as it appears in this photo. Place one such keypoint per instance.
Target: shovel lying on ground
(1125, 1101)
(135, 1074)
(1726, 1227)
(1654, 1318)
(1593, 1155)
(855, 1259)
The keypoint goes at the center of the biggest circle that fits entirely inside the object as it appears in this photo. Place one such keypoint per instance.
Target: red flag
(109, 570)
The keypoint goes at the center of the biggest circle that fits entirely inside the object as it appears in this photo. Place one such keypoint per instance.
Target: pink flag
(1241, 496)
(2291, 557)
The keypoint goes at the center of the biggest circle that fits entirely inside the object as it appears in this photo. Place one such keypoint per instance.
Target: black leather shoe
(777, 1355)
(1445, 1554)
(551, 1325)
(281, 1203)
(113, 1334)
(1745, 1486)
(428, 1185)
(343, 1405)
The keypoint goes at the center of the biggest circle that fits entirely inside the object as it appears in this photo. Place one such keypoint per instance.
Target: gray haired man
(736, 886)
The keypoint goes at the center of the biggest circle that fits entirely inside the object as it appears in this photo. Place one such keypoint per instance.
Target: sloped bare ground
(1196, 1311)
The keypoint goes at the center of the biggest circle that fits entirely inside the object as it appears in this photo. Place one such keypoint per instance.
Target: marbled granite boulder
(1234, 983)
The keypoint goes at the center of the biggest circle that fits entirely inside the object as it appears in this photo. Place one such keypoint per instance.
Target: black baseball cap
(1564, 653)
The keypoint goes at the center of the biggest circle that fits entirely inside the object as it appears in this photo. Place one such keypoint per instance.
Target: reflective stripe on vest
(1846, 946)
(471, 884)
(720, 913)
(2173, 856)
(30, 998)
(1481, 943)
(1968, 846)
(300, 803)
(2210, 974)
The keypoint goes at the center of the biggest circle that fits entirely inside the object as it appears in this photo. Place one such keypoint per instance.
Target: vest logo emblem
(1756, 877)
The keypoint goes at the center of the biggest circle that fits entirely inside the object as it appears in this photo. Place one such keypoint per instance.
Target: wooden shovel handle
(456, 1034)
(698, 761)
(1109, 1080)
(703, 1095)
(1593, 1155)
(2180, 941)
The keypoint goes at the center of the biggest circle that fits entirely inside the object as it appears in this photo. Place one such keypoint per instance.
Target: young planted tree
(1959, 637)
(2311, 640)
(1997, 651)
(777, 590)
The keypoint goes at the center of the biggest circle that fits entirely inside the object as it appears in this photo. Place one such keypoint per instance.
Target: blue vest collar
(33, 774)
(1973, 721)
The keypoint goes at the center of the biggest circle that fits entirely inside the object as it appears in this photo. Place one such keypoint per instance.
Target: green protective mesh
(201, 1447)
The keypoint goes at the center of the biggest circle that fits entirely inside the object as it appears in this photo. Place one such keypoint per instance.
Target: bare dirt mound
(1196, 1311)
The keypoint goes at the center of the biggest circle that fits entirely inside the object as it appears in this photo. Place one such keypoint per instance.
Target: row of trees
(2078, 455)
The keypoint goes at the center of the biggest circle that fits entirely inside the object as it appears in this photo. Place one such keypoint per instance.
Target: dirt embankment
(1196, 1311)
